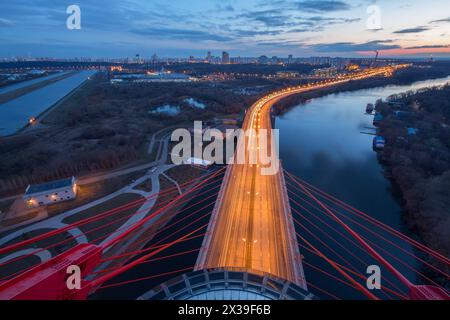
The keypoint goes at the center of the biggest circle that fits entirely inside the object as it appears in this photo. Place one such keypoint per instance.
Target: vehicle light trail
(251, 226)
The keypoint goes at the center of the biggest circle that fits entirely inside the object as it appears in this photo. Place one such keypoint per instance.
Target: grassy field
(145, 186)
(55, 245)
(91, 192)
(184, 173)
(108, 224)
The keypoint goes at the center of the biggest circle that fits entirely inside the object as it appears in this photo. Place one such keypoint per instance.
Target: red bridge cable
(135, 244)
(86, 233)
(310, 284)
(329, 248)
(109, 269)
(95, 218)
(165, 238)
(332, 228)
(186, 239)
(105, 270)
(374, 253)
(141, 222)
(132, 253)
(104, 214)
(326, 245)
(94, 229)
(380, 248)
(329, 275)
(359, 287)
(103, 279)
(401, 295)
(397, 259)
(188, 269)
(377, 235)
(117, 284)
(368, 218)
(335, 241)
(323, 242)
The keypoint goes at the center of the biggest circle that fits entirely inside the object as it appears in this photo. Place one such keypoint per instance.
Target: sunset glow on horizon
(256, 27)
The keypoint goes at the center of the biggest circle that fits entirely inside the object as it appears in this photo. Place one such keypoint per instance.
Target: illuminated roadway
(251, 226)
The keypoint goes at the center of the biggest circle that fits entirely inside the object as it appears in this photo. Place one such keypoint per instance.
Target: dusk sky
(179, 28)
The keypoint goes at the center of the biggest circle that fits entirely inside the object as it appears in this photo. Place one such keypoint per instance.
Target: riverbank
(416, 126)
(321, 142)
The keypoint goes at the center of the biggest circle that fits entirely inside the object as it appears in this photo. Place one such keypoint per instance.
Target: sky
(250, 28)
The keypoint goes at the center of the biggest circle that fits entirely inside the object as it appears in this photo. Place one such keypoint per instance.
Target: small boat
(379, 143)
(370, 107)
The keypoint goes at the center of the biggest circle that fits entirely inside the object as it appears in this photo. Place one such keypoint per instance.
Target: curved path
(56, 222)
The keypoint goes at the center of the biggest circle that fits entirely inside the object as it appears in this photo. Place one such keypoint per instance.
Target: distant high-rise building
(154, 58)
(290, 59)
(138, 58)
(225, 57)
(208, 56)
(263, 60)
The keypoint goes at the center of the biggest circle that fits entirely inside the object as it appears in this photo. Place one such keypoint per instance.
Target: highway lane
(251, 226)
(253, 231)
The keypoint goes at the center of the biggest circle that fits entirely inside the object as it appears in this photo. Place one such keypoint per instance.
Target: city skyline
(257, 27)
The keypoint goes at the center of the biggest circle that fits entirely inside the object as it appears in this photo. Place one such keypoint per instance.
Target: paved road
(251, 227)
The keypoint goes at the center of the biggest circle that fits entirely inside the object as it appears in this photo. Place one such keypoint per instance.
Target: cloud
(251, 33)
(320, 23)
(281, 43)
(412, 30)
(269, 18)
(355, 47)
(225, 8)
(180, 34)
(441, 20)
(429, 47)
(6, 23)
(322, 6)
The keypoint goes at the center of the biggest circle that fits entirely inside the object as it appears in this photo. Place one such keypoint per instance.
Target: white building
(50, 192)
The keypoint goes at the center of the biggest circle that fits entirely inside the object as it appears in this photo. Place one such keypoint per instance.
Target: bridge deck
(251, 226)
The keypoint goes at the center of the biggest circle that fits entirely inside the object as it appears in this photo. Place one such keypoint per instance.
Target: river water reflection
(321, 141)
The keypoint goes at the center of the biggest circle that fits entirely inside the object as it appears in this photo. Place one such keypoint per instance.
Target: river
(16, 113)
(321, 142)
(23, 84)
